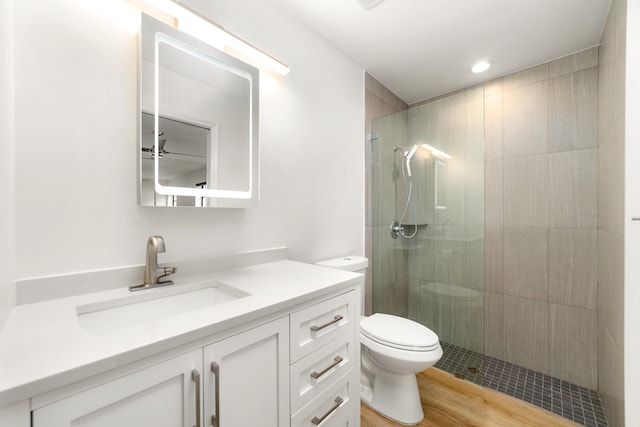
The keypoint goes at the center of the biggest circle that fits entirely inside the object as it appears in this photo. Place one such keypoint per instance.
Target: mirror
(198, 143)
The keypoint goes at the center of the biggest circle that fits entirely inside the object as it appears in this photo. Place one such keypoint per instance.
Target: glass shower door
(433, 270)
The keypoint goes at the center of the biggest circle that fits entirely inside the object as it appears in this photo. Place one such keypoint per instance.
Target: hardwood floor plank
(451, 402)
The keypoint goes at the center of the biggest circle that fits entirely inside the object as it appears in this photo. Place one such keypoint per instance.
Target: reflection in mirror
(198, 122)
(184, 150)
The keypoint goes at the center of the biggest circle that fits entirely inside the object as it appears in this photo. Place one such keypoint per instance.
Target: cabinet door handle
(315, 374)
(315, 421)
(336, 318)
(215, 419)
(195, 377)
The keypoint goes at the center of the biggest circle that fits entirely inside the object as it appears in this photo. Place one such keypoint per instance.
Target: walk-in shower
(428, 182)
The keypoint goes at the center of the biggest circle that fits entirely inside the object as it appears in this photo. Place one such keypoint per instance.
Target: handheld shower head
(408, 156)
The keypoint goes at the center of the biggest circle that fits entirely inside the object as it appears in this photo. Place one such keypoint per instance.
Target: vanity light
(436, 152)
(480, 67)
(191, 22)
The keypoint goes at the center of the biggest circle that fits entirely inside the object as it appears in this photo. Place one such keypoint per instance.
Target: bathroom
(68, 126)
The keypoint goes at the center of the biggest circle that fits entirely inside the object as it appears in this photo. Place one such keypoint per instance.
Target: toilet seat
(399, 332)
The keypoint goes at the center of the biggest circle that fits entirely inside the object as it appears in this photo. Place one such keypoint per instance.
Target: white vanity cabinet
(286, 354)
(324, 372)
(161, 395)
(250, 388)
(247, 378)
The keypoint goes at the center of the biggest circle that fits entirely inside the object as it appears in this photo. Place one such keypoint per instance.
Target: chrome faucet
(154, 275)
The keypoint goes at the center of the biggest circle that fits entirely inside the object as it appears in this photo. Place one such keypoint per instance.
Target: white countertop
(43, 347)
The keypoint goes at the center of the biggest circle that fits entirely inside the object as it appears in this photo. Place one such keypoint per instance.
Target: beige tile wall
(541, 162)
(610, 213)
(541, 218)
(390, 263)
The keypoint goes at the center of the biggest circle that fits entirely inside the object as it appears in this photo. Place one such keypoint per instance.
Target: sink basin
(104, 317)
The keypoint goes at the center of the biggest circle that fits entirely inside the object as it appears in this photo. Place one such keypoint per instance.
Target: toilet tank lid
(348, 263)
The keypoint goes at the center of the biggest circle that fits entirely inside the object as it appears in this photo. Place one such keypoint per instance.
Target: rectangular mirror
(198, 142)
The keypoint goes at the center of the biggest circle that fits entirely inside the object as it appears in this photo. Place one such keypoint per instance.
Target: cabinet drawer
(315, 373)
(321, 323)
(334, 406)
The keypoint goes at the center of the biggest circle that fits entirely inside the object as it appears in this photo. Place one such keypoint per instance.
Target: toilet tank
(355, 263)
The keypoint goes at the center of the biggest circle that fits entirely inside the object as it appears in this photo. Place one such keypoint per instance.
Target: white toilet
(393, 350)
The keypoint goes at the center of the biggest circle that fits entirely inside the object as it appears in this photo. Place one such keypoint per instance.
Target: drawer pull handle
(336, 318)
(195, 377)
(315, 421)
(215, 419)
(336, 360)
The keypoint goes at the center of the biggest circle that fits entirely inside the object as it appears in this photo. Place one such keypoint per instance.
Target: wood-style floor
(449, 401)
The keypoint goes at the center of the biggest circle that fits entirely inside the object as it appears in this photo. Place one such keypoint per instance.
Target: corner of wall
(7, 156)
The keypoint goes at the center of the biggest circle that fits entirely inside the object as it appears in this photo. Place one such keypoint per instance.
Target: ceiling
(423, 48)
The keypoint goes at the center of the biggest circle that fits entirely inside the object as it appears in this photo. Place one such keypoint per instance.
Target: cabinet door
(162, 395)
(247, 381)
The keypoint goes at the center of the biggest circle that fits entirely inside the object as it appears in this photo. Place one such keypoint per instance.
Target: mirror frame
(163, 33)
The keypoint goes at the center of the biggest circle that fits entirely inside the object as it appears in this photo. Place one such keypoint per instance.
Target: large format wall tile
(573, 111)
(390, 269)
(573, 345)
(573, 267)
(475, 125)
(494, 259)
(493, 192)
(612, 82)
(474, 258)
(526, 326)
(526, 271)
(611, 283)
(611, 377)
(526, 120)
(526, 191)
(493, 127)
(474, 195)
(571, 63)
(573, 189)
(611, 176)
(526, 77)
(494, 324)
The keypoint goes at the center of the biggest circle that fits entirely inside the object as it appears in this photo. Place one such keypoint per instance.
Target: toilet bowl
(393, 350)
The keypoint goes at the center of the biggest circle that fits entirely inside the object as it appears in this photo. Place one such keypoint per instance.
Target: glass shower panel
(389, 258)
(437, 276)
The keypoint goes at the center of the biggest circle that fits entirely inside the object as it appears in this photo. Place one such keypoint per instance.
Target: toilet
(393, 350)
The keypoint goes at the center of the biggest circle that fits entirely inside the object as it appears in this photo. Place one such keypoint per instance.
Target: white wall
(7, 218)
(76, 112)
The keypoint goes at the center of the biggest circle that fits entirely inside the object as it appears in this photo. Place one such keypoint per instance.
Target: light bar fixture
(193, 23)
(436, 152)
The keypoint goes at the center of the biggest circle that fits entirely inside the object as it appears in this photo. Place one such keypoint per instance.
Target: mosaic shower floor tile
(576, 403)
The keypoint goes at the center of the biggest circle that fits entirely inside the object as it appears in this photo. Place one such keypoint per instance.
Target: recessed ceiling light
(481, 66)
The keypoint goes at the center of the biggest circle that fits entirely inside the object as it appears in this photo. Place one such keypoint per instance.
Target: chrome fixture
(154, 275)
(397, 229)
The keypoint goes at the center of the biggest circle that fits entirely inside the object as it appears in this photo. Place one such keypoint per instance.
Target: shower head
(409, 153)
(408, 156)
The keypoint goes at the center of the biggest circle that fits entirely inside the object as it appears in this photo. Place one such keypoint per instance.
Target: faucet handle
(170, 270)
